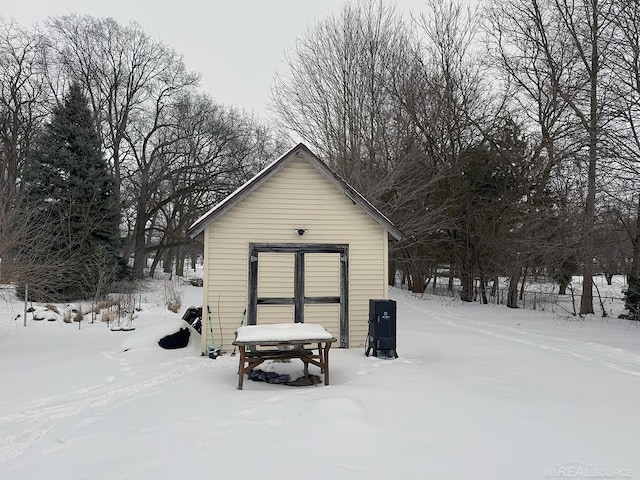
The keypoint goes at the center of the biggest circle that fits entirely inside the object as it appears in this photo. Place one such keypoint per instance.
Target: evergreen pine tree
(70, 208)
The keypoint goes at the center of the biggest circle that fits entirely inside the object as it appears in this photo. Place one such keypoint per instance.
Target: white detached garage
(293, 244)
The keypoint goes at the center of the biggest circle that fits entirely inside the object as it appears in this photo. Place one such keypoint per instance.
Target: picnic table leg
(327, 346)
(321, 356)
(241, 367)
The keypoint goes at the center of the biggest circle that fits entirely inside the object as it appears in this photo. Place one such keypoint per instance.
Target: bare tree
(625, 137)
(188, 154)
(23, 107)
(119, 66)
(167, 144)
(152, 137)
(565, 47)
(588, 23)
(452, 110)
(518, 55)
(522, 37)
(335, 94)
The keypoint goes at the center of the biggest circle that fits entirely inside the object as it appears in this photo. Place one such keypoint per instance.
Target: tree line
(172, 151)
(503, 140)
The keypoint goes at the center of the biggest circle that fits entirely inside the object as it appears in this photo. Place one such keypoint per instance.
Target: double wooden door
(298, 283)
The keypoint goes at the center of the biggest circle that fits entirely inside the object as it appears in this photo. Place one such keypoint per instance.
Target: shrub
(174, 306)
(172, 297)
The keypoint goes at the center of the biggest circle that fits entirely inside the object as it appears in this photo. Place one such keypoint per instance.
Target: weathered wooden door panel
(327, 315)
(269, 314)
(322, 275)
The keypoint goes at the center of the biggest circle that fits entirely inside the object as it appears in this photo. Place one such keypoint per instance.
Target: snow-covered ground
(478, 392)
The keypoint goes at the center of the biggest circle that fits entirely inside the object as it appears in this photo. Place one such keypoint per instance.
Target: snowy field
(479, 392)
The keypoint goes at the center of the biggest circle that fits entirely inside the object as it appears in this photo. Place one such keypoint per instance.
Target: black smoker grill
(382, 329)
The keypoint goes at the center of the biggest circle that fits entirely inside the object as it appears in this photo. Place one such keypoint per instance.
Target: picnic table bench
(258, 343)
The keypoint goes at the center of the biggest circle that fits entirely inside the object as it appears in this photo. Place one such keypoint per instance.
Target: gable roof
(236, 197)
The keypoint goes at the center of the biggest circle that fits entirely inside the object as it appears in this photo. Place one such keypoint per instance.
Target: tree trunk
(391, 274)
(155, 263)
(524, 279)
(466, 278)
(483, 290)
(495, 289)
(417, 280)
(586, 301)
(139, 239)
(158, 256)
(167, 261)
(632, 294)
(635, 261)
(466, 290)
(512, 294)
(180, 262)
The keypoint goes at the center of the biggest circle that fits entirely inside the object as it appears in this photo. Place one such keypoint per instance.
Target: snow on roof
(282, 332)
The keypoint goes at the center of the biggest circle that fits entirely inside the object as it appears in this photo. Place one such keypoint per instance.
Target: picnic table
(307, 341)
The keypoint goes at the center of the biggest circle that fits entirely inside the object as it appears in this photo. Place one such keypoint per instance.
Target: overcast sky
(236, 46)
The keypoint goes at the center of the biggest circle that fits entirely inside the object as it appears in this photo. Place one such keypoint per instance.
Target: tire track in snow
(612, 357)
(39, 421)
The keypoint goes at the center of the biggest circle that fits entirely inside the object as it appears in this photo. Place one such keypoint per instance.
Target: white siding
(297, 196)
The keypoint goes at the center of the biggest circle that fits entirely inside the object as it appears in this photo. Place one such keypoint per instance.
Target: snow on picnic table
(281, 332)
(478, 392)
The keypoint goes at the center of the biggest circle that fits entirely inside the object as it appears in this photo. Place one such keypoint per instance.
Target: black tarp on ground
(180, 339)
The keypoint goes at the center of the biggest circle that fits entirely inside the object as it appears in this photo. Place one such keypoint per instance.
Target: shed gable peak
(300, 151)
